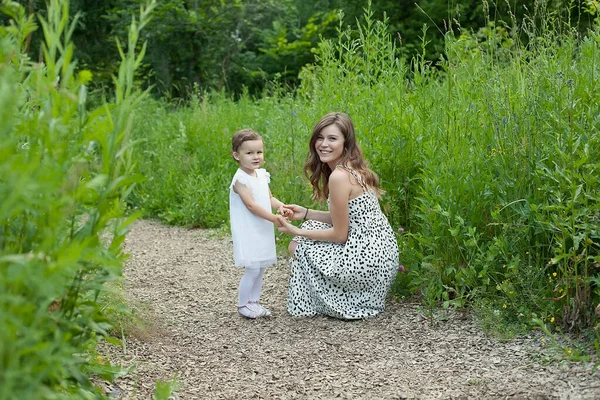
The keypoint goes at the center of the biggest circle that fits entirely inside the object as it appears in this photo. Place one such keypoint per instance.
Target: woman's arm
(299, 212)
(245, 194)
(339, 191)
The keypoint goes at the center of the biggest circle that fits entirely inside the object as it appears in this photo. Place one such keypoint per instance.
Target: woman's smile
(330, 144)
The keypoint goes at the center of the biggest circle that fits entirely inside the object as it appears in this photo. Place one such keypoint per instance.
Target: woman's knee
(292, 248)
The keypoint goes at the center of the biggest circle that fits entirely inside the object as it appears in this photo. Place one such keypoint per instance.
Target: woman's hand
(284, 226)
(296, 212)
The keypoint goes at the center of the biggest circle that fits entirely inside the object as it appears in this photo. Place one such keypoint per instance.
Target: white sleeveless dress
(253, 237)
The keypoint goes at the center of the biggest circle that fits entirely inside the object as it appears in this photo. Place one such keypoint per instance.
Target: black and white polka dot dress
(345, 280)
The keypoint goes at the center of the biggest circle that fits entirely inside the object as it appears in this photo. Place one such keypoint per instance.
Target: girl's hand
(286, 212)
(277, 221)
(284, 226)
(295, 212)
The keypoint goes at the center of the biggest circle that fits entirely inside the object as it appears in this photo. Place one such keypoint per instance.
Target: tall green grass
(64, 175)
(489, 159)
(185, 155)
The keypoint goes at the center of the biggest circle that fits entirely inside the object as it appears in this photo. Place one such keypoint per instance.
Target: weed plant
(64, 175)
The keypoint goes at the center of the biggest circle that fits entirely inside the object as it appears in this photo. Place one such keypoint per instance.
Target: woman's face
(330, 145)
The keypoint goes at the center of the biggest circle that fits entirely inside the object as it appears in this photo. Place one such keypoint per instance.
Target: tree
(238, 45)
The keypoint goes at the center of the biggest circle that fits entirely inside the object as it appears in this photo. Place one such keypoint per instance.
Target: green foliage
(498, 320)
(583, 348)
(236, 45)
(164, 390)
(186, 156)
(493, 231)
(570, 210)
(64, 176)
(127, 318)
(228, 45)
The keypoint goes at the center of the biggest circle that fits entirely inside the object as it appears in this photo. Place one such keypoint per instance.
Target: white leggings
(250, 286)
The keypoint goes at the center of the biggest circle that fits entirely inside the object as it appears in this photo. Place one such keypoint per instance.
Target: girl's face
(330, 145)
(250, 155)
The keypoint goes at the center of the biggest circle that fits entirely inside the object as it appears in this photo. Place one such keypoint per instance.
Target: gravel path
(187, 281)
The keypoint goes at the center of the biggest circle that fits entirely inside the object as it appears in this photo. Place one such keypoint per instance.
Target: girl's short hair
(242, 136)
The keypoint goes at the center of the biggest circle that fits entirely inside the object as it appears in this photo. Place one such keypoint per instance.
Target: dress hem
(256, 264)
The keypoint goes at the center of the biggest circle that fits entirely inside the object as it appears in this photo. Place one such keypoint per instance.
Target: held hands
(287, 212)
(284, 225)
(294, 211)
(282, 216)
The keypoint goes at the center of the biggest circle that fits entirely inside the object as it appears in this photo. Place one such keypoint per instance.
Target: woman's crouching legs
(292, 247)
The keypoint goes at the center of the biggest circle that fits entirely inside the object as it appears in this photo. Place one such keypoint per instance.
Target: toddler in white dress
(250, 204)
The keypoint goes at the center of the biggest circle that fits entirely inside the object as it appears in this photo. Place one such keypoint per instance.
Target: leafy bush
(64, 175)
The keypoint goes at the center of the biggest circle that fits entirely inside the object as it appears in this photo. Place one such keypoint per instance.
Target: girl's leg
(256, 289)
(251, 275)
(246, 285)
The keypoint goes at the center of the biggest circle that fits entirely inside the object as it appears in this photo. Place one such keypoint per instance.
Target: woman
(345, 259)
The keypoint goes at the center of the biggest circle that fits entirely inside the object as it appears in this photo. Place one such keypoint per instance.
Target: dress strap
(356, 176)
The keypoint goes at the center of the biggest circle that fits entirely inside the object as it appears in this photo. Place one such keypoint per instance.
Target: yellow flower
(552, 319)
(504, 306)
(554, 274)
(569, 352)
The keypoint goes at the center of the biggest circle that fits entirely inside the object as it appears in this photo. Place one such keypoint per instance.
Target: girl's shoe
(251, 311)
(265, 309)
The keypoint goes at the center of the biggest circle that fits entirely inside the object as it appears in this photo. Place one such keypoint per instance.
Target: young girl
(250, 204)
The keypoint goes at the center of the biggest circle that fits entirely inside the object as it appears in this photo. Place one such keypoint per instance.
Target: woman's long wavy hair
(318, 172)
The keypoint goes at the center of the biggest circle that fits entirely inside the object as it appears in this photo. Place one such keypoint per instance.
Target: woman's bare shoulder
(341, 181)
(346, 174)
(339, 175)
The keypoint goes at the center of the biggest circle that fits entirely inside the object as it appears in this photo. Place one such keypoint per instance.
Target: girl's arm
(280, 207)
(245, 194)
(275, 203)
(339, 191)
